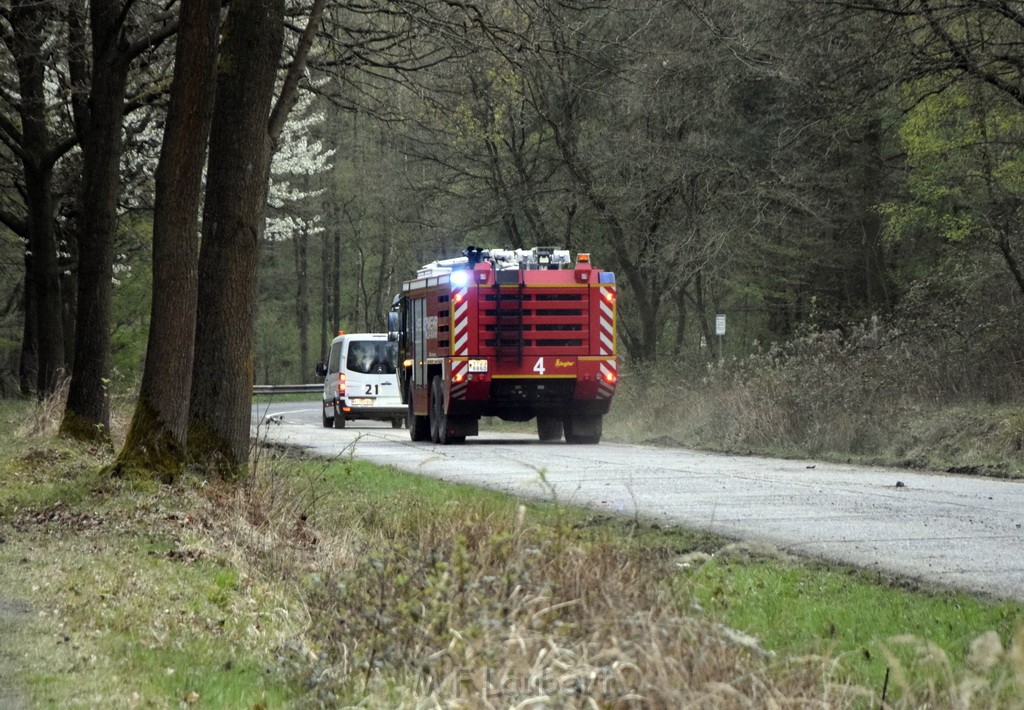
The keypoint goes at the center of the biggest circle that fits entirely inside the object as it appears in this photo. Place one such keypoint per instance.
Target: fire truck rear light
(609, 296)
(458, 297)
(458, 279)
(407, 363)
(459, 377)
(582, 276)
(610, 377)
(478, 366)
(583, 257)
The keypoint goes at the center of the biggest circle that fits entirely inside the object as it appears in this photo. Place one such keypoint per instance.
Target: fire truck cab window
(372, 357)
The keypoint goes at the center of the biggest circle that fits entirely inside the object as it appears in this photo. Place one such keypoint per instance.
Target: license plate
(362, 401)
(478, 366)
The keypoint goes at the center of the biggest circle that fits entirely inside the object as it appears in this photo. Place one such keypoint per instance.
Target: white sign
(720, 324)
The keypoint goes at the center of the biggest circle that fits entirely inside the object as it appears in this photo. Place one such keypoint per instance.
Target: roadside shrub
(882, 388)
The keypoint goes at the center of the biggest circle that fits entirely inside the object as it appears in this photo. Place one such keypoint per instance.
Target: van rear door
(371, 370)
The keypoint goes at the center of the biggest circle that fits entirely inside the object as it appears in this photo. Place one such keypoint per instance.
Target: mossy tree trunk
(157, 435)
(233, 219)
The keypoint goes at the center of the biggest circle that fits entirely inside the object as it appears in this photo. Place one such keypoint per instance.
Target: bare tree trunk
(67, 242)
(702, 315)
(382, 299)
(30, 24)
(87, 415)
(157, 435)
(336, 282)
(233, 222)
(1011, 260)
(301, 243)
(28, 364)
(325, 294)
(680, 338)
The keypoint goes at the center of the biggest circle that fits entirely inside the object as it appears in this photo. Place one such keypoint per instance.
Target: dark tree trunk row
(157, 435)
(31, 23)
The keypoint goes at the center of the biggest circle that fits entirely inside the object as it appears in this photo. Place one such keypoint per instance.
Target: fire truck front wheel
(440, 430)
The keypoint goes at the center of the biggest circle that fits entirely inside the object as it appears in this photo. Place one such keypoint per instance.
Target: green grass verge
(850, 616)
(348, 583)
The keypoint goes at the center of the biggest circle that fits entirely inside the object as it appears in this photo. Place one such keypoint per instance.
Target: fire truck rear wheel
(583, 428)
(419, 427)
(549, 428)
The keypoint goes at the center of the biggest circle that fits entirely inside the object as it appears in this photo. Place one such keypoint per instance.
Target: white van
(360, 380)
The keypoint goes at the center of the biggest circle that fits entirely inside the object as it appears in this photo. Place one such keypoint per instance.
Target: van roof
(360, 336)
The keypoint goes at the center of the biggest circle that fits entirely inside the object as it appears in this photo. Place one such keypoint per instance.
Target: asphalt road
(955, 531)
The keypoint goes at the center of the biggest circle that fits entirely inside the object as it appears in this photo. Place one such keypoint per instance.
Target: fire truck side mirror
(392, 325)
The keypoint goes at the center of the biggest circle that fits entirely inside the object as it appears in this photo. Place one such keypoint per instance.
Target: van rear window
(372, 357)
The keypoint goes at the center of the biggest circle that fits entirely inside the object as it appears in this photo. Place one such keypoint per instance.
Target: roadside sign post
(720, 332)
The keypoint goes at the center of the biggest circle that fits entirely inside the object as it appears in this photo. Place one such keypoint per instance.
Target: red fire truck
(514, 334)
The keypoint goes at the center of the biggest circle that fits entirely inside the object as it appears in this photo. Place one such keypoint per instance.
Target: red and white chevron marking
(460, 341)
(460, 368)
(460, 321)
(609, 376)
(606, 322)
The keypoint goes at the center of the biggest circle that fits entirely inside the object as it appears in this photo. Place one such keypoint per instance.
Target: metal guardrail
(287, 389)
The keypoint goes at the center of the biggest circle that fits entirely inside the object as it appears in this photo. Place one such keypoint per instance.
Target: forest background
(842, 180)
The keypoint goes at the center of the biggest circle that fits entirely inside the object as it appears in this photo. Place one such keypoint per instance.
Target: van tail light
(341, 384)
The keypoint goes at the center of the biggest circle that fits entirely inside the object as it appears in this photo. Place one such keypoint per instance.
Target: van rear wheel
(339, 419)
(328, 421)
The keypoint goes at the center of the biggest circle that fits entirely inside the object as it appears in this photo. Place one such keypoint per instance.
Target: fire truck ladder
(508, 325)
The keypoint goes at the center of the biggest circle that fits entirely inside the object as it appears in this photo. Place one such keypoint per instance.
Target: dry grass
(43, 418)
(464, 607)
(873, 394)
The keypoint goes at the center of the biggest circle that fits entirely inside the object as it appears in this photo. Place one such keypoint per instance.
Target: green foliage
(965, 156)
